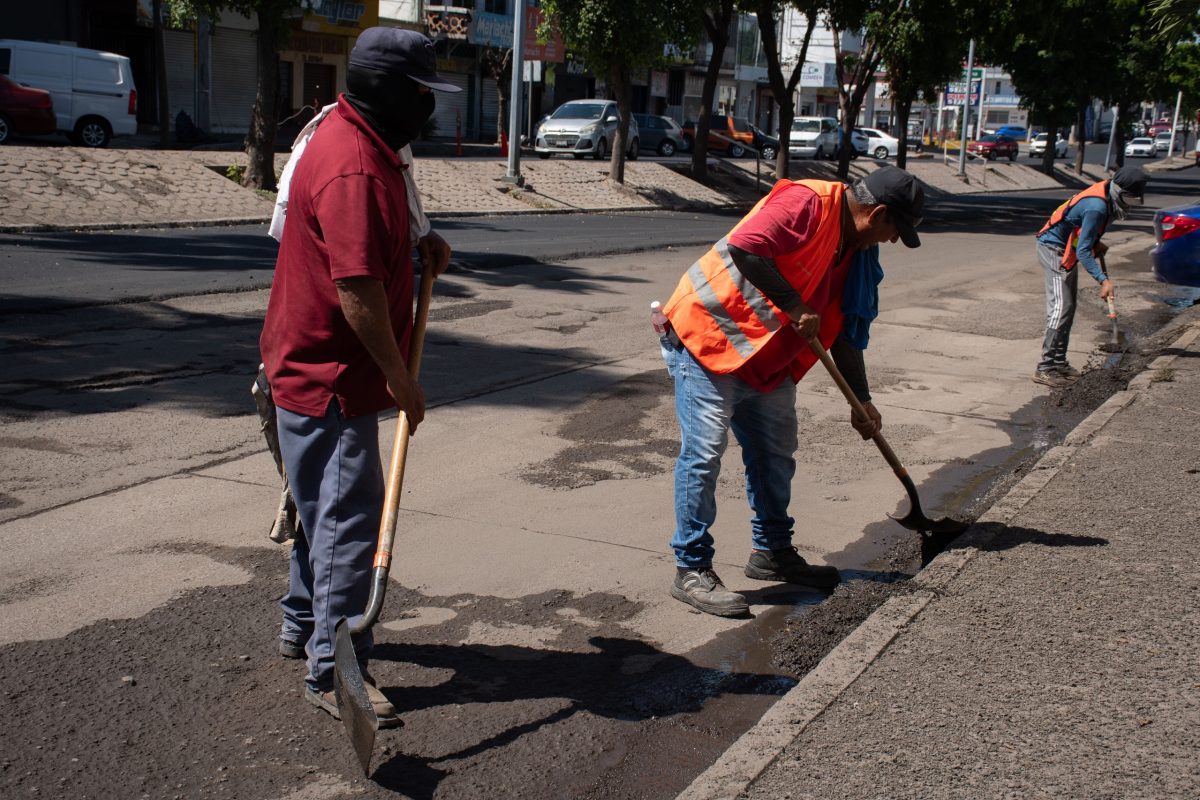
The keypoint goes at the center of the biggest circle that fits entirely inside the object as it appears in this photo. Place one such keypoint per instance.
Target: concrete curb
(739, 766)
(263, 220)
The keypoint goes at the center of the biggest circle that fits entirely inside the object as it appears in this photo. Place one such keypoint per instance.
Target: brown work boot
(702, 589)
(1051, 378)
(385, 712)
(787, 566)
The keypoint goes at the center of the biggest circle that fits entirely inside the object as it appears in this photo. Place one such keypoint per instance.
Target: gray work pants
(1062, 285)
(337, 479)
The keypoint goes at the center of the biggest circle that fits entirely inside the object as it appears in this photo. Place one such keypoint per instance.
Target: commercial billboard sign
(496, 30)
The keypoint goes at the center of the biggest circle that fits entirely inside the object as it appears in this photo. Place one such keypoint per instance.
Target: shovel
(1114, 345)
(354, 707)
(915, 519)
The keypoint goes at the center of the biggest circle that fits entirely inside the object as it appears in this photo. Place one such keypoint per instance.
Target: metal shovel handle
(395, 479)
(885, 448)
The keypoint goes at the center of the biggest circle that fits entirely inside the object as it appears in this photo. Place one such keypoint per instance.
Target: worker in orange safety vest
(803, 262)
(1072, 236)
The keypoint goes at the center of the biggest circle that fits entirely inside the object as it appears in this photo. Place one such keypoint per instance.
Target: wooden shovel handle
(395, 478)
(885, 448)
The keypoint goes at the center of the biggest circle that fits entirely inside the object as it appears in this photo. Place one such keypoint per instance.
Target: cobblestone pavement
(53, 188)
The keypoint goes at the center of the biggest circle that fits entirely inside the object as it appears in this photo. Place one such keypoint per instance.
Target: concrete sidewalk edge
(263, 220)
(740, 765)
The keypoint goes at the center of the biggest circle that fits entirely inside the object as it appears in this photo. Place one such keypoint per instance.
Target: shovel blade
(922, 524)
(354, 706)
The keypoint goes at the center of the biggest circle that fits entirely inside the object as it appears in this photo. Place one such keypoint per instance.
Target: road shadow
(120, 357)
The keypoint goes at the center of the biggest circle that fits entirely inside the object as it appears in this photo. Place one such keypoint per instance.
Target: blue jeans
(707, 406)
(333, 467)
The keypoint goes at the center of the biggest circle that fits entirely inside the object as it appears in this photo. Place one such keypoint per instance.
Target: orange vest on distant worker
(723, 319)
(1070, 255)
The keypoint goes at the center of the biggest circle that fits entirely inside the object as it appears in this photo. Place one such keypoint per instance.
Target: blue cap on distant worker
(400, 51)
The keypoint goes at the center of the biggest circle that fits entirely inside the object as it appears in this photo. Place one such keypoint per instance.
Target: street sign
(976, 73)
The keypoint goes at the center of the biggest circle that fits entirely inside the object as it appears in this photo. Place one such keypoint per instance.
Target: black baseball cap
(400, 51)
(903, 196)
(1132, 180)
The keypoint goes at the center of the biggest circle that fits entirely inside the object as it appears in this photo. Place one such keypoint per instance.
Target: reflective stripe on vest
(723, 319)
(1070, 255)
(757, 301)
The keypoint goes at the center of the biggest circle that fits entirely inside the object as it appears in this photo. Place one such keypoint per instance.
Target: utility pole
(1112, 137)
(514, 107)
(966, 110)
(1174, 125)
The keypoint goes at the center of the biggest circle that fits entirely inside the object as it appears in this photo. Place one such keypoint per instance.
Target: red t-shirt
(347, 217)
(783, 225)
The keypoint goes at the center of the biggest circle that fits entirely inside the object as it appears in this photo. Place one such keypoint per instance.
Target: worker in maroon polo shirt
(336, 336)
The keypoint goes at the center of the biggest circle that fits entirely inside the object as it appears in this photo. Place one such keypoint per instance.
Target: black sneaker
(787, 566)
(290, 649)
(1067, 371)
(702, 588)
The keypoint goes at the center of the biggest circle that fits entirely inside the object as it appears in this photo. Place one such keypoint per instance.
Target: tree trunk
(260, 143)
(1051, 145)
(850, 102)
(718, 33)
(160, 78)
(621, 88)
(782, 93)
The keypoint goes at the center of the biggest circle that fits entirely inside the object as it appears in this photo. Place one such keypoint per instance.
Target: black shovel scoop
(354, 706)
(915, 519)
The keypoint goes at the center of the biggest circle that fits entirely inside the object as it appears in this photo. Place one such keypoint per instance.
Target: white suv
(580, 127)
(813, 137)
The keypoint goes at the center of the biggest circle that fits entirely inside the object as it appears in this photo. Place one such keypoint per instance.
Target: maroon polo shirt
(347, 217)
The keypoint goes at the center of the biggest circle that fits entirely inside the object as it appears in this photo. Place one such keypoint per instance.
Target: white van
(813, 137)
(93, 93)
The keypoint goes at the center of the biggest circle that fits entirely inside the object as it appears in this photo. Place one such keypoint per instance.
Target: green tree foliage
(923, 53)
(272, 16)
(1063, 53)
(621, 38)
(877, 20)
(1174, 19)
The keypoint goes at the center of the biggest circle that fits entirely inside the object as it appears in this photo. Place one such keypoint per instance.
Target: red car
(993, 146)
(24, 110)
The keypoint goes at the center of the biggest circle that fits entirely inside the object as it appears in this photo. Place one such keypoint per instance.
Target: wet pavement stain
(627, 432)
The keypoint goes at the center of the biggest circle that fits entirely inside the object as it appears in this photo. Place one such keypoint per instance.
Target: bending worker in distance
(1071, 236)
(803, 262)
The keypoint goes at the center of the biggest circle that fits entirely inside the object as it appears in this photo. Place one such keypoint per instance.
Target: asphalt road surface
(528, 640)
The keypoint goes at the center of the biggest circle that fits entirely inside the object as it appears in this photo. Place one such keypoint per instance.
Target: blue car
(1176, 254)
(1012, 131)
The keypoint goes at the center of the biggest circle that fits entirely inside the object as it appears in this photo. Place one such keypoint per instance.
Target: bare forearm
(364, 304)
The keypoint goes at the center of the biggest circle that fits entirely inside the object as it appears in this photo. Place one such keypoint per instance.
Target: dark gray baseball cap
(1132, 180)
(903, 196)
(400, 51)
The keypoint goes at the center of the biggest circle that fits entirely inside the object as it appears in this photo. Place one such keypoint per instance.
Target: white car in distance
(1037, 147)
(881, 145)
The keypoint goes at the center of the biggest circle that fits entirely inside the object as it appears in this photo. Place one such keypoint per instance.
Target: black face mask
(390, 103)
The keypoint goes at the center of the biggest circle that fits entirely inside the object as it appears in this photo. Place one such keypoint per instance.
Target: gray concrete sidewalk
(69, 188)
(1051, 653)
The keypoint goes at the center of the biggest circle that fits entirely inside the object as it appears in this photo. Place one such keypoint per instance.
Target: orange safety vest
(1070, 255)
(723, 319)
